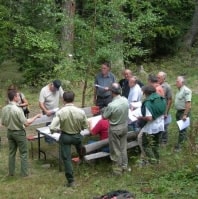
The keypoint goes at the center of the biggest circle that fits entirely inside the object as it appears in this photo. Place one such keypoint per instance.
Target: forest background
(42, 40)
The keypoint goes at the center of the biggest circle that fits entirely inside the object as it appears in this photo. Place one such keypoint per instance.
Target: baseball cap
(57, 84)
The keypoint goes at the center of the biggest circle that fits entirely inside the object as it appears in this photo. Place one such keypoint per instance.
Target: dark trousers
(66, 140)
(183, 133)
(150, 143)
(103, 101)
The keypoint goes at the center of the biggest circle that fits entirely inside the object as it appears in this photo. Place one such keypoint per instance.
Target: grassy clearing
(175, 177)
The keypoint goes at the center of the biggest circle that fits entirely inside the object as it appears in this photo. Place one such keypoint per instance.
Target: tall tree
(192, 33)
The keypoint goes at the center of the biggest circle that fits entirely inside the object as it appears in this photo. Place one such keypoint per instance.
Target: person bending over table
(70, 120)
(101, 128)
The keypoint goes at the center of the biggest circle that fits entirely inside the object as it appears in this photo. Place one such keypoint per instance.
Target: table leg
(39, 147)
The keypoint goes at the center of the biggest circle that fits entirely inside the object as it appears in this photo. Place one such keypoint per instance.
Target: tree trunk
(190, 37)
(68, 8)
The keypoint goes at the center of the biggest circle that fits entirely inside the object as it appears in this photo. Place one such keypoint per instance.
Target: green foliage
(118, 31)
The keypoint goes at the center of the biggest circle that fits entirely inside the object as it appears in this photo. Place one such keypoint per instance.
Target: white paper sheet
(168, 120)
(133, 115)
(43, 119)
(183, 124)
(136, 104)
(94, 120)
(97, 85)
(46, 131)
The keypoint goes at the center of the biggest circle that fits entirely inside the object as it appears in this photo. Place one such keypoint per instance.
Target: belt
(68, 133)
(105, 97)
(16, 130)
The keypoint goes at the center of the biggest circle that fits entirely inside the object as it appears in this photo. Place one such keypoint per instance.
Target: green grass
(175, 177)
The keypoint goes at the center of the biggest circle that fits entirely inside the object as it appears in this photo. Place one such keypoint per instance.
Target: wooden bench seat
(101, 154)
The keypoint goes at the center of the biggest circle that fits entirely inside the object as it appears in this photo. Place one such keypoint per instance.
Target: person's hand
(49, 113)
(39, 115)
(184, 117)
(106, 88)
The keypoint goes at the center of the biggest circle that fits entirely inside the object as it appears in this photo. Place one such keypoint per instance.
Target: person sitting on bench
(101, 128)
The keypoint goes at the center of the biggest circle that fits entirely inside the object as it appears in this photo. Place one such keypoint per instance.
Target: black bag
(25, 108)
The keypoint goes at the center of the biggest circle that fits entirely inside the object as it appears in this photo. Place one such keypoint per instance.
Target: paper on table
(42, 119)
(133, 115)
(183, 124)
(94, 120)
(46, 131)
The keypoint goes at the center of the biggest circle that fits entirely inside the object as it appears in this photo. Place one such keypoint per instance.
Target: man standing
(124, 83)
(70, 120)
(135, 95)
(15, 121)
(168, 96)
(49, 97)
(152, 120)
(183, 106)
(102, 94)
(117, 114)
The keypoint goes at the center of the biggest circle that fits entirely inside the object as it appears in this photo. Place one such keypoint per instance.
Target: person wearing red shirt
(101, 128)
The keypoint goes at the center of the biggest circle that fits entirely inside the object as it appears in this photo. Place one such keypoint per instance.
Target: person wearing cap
(117, 114)
(103, 80)
(50, 96)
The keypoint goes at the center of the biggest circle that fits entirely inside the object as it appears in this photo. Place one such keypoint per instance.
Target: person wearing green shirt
(70, 120)
(14, 119)
(117, 114)
(183, 99)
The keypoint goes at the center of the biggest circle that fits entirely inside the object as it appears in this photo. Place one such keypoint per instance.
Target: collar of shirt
(69, 104)
(13, 103)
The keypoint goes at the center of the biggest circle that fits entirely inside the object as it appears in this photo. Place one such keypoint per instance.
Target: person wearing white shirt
(135, 96)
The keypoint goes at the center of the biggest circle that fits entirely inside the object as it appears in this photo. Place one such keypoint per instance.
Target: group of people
(114, 99)
(154, 99)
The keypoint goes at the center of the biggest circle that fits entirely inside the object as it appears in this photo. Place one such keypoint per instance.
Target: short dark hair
(106, 63)
(68, 96)
(12, 94)
(152, 78)
(148, 90)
